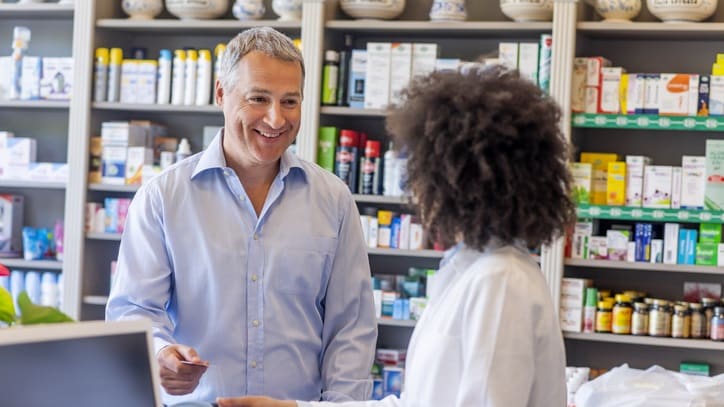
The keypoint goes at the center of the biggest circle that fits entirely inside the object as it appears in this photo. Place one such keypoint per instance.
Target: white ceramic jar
(617, 10)
(248, 9)
(527, 10)
(382, 9)
(448, 10)
(142, 9)
(288, 10)
(194, 9)
(682, 11)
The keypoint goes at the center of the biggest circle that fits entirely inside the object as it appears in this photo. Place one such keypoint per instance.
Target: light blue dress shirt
(280, 304)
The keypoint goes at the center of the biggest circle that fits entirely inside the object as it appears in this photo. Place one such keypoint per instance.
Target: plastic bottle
(165, 61)
(192, 57)
(390, 180)
(114, 75)
(178, 79)
(203, 78)
(49, 289)
(58, 236)
(184, 150)
(21, 37)
(100, 78)
(218, 53)
(589, 310)
(370, 169)
(622, 311)
(330, 76)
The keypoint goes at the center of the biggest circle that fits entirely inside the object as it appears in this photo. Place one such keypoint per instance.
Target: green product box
(710, 233)
(714, 190)
(706, 254)
(694, 368)
(326, 145)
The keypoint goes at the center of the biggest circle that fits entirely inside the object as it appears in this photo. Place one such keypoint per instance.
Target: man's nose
(274, 117)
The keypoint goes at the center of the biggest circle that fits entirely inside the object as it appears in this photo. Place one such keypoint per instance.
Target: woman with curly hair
(488, 166)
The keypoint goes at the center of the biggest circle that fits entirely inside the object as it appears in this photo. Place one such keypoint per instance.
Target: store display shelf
(652, 30)
(381, 199)
(136, 107)
(430, 254)
(640, 266)
(113, 188)
(34, 104)
(32, 264)
(649, 214)
(11, 183)
(103, 236)
(95, 300)
(352, 111)
(36, 10)
(648, 122)
(440, 29)
(647, 340)
(194, 26)
(408, 323)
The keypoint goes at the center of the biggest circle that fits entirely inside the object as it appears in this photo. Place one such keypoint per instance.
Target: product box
(706, 254)
(642, 236)
(657, 186)
(6, 76)
(377, 76)
(136, 158)
(617, 244)
(400, 69)
(573, 291)
(582, 174)
(720, 255)
(578, 85)
(447, 64)
(675, 187)
(113, 165)
(129, 80)
(405, 222)
(599, 164)
(694, 368)
(674, 94)
(702, 106)
(671, 243)
(714, 190)
(710, 233)
(30, 79)
(693, 181)
(716, 95)
(598, 248)
(616, 184)
(610, 89)
(631, 252)
(11, 225)
(528, 61)
(123, 134)
(636, 91)
(508, 54)
(20, 150)
(592, 100)
(693, 94)
(579, 249)
(594, 77)
(326, 146)
(635, 179)
(687, 246)
(652, 96)
(657, 250)
(417, 237)
(146, 76)
(424, 58)
(57, 79)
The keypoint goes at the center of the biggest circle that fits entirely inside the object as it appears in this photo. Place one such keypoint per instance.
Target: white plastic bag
(654, 387)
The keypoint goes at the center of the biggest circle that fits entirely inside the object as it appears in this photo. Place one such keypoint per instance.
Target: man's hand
(181, 369)
(254, 401)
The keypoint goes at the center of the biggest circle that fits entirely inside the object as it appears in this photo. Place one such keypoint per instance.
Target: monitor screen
(108, 369)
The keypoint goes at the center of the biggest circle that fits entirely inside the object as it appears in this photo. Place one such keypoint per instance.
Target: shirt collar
(213, 157)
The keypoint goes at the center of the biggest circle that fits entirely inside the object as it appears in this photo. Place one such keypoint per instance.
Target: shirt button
(227, 172)
(253, 363)
(256, 237)
(255, 322)
(241, 198)
(254, 277)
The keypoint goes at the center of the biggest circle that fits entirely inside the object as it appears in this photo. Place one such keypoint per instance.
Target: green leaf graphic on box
(38, 314)
(581, 195)
(7, 309)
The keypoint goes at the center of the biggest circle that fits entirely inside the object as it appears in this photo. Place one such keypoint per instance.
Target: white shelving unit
(36, 11)
(32, 264)
(703, 344)
(654, 267)
(127, 107)
(15, 184)
(34, 104)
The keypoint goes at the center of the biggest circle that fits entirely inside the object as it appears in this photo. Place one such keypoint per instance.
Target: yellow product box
(599, 181)
(616, 184)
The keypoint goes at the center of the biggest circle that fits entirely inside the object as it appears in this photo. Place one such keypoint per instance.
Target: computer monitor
(84, 364)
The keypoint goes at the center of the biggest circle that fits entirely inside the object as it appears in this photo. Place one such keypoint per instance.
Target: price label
(711, 123)
(615, 212)
(664, 122)
(600, 120)
(637, 213)
(705, 216)
(689, 123)
(658, 214)
(579, 120)
(594, 211)
(643, 121)
(683, 215)
(621, 121)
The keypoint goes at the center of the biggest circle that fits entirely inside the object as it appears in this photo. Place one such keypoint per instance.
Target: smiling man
(250, 261)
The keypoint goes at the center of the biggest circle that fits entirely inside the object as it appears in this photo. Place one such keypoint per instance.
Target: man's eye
(257, 99)
(290, 103)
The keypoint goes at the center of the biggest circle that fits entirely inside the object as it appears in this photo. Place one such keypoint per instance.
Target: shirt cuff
(303, 404)
(159, 344)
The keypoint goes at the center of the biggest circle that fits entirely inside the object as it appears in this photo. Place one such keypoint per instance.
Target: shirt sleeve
(142, 285)
(349, 334)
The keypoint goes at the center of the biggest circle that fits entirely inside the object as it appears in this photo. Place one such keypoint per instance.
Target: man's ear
(218, 93)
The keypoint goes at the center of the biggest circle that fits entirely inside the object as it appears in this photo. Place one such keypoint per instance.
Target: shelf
(496, 29)
(103, 236)
(430, 254)
(173, 26)
(36, 10)
(652, 30)
(648, 122)
(152, 108)
(32, 264)
(95, 300)
(381, 199)
(34, 104)
(649, 214)
(647, 340)
(352, 111)
(11, 183)
(641, 266)
(408, 323)
(113, 188)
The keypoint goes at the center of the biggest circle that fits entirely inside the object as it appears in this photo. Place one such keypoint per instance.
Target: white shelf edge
(215, 25)
(136, 107)
(381, 199)
(113, 188)
(10, 183)
(640, 266)
(95, 299)
(103, 236)
(37, 10)
(35, 104)
(407, 323)
(352, 111)
(427, 26)
(432, 254)
(32, 264)
(705, 344)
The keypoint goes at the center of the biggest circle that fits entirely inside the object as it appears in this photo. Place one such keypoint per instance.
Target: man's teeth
(270, 135)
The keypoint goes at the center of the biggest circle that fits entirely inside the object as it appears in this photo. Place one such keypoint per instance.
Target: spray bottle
(192, 57)
(114, 75)
(100, 82)
(203, 78)
(178, 80)
(163, 96)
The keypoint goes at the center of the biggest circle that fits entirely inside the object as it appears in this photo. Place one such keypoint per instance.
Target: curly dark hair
(487, 158)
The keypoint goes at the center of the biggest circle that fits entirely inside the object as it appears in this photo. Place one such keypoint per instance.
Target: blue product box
(377, 391)
(392, 380)
(642, 237)
(681, 249)
(691, 237)
(395, 233)
(111, 208)
(357, 72)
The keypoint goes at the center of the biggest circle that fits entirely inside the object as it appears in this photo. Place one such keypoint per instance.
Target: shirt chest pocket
(302, 265)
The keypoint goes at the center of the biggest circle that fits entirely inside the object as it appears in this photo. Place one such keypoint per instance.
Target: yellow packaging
(616, 184)
(599, 163)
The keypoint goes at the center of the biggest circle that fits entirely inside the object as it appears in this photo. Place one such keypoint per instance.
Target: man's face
(263, 110)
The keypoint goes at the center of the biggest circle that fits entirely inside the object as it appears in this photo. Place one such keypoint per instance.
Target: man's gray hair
(262, 39)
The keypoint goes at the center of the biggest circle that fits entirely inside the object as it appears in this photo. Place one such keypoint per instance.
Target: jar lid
(695, 305)
(622, 298)
(680, 308)
(604, 304)
(641, 306)
(707, 302)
